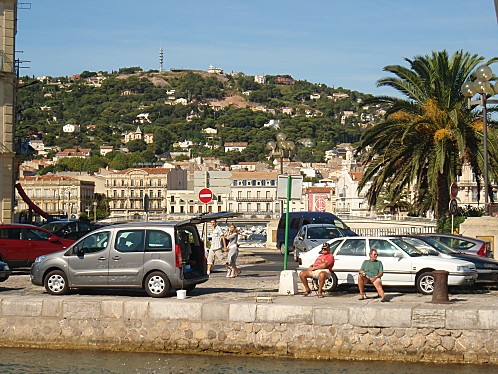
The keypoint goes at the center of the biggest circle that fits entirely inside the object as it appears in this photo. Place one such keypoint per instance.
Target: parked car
(21, 244)
(70, 229)
(404, 265)
(4, 271)
(464, 244)
(154, 256)
(487, 268)
(309, 236)
(299, 219)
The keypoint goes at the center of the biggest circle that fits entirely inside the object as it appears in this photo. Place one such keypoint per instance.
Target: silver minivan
(155, 256)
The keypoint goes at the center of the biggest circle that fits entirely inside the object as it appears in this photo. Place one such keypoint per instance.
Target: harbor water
(20, 360)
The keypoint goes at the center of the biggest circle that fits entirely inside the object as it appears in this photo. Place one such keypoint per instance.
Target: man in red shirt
(321, 269)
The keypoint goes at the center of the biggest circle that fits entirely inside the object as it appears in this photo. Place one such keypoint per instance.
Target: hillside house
(235, 146)
(70, 128)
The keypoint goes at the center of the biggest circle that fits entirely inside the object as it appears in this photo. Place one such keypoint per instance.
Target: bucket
(181, 294)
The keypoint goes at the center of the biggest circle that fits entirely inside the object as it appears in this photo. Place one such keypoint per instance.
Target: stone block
(461, 319)
(330, 316)
(242, 313)
(78, 309)
(111, 309)
(380, 315)
(52, 307)
(487, 319)
(284, 313)
(215, 312)
(429, 316)
(31, 308)
(135, 309)
(175, 309)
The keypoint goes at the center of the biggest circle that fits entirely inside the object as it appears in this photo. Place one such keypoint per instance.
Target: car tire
(56, 283)
(330, 283)
(425, 283)
(157, 284)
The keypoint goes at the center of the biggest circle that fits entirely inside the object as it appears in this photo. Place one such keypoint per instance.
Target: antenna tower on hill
(161, 59)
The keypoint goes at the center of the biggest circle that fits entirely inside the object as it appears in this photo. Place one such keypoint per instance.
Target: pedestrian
(217, 245)
(371, 271)
(233, 252)
(321, 269)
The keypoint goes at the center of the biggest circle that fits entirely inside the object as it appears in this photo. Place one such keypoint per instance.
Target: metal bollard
(440, 293)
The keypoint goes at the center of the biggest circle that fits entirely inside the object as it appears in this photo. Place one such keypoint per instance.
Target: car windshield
(322, 233)
(443, 248)
(408, 248)
(421, 245)
(54, 226)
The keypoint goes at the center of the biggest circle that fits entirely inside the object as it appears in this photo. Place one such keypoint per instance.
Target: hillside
(179, 105)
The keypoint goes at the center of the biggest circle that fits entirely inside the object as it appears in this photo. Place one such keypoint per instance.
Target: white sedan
(403, 264)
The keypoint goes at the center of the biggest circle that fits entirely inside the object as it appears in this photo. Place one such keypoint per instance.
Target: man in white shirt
(216, 250)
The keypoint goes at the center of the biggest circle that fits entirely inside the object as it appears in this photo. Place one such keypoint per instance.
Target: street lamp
(482, 86)
(281, 147)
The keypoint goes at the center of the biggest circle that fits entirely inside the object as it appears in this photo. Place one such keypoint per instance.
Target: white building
(235, 146)
(70, 128)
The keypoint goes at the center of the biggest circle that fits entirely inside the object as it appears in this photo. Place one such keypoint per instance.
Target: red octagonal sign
(205, 195)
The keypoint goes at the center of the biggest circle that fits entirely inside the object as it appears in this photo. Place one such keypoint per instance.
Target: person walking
(233, 251)
(371, 271)
(217, 245)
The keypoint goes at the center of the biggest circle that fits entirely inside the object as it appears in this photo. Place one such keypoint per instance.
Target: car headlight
(466, 268)
(40, 259)
(6, 267)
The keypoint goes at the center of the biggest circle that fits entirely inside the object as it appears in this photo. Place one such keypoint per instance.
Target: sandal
(306, 293)
(321, 295)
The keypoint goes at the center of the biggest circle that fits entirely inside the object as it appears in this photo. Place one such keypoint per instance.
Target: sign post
(453, 203)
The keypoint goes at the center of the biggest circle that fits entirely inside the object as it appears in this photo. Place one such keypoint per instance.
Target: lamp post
(94, 211)
(281, 147)
(483, 87)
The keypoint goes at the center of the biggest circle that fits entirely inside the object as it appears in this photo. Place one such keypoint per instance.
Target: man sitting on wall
(321, 269)
(371, 272)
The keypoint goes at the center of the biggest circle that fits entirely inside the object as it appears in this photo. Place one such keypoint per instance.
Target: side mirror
(78, 251)
(398, 254)
(300, 238)
(53, 239)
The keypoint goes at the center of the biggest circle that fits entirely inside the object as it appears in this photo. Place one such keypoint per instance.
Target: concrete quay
(223, 317)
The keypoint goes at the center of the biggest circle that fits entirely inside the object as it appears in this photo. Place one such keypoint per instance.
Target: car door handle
(102, 258)
(116, 258)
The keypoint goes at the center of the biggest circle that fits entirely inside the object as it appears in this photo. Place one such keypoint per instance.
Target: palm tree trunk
(443, 196)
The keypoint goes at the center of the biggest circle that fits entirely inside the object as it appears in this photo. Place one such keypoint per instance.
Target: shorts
(215, 253)
(316, 272)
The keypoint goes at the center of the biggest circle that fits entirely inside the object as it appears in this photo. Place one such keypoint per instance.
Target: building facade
(9, 164)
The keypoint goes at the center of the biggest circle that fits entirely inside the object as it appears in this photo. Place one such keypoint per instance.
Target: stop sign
(205, 195)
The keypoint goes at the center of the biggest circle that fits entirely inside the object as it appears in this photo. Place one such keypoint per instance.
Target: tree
(136, 145)
(424, 140)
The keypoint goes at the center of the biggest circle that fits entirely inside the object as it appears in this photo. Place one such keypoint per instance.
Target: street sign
(454, 190)
(205, 195)
(453, 207)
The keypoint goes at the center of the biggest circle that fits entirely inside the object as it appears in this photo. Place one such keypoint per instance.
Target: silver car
(464, 244)
(154, 256)
(314, 234)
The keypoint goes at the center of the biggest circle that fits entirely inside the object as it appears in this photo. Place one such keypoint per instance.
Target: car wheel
(157, 284)
(425, 283)
(330, 283)
(56, 283)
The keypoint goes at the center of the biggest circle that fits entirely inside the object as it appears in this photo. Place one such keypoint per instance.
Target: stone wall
(411, 332)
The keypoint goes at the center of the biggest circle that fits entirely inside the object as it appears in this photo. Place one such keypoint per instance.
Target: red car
(21, 244)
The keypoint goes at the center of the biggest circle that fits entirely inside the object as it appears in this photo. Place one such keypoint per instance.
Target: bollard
(440, 293)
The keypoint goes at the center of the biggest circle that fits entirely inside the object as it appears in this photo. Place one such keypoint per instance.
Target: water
(20, 360)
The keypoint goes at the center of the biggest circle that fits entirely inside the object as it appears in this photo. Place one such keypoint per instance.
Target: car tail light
(178, 256)
(483, 251)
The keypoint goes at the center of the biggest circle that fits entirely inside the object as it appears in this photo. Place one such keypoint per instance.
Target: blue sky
(340, 43)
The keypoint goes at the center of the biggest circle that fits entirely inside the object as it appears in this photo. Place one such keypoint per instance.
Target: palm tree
(424, 139)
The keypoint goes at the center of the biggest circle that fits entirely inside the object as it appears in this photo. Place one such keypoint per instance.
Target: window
(158, 241)
(248, 194)
(172, 199)
(95, 242)
(159, 193)
(159, 182)
(141, 182)
(122, 193)
(352, 247)
(234, 183)
(13, 233)
(114, 193)
(383, 247)
(132, 193)
(33, 234)
(130, 241)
